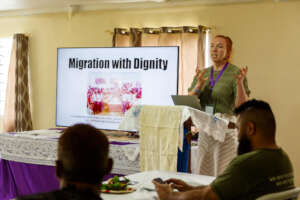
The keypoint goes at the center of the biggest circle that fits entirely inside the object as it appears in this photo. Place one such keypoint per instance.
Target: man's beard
(244, 146)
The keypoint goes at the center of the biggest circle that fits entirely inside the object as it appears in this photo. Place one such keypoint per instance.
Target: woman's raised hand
(241, 76)
(200, 77)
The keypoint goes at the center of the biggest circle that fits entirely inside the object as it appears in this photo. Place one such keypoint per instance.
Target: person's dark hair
(260, 113)
(83, 154)
(228, 44)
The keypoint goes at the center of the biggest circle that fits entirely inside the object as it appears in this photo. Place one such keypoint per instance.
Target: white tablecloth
(144, 179)
(40, 147)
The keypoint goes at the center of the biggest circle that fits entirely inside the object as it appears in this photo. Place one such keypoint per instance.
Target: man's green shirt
(254, 174)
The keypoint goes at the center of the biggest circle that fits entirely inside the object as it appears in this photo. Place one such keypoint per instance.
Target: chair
(291, 194)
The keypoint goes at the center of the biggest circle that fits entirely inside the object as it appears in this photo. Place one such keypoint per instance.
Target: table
(40, 147)
(27, 161)
(35, 150)
(144, 179)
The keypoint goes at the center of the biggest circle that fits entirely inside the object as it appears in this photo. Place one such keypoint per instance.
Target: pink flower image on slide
(112, 95)
(131, 94)
(126, 105)
(95, 100)
(100, 81)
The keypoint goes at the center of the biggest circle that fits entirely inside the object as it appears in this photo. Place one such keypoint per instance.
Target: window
(5, 50)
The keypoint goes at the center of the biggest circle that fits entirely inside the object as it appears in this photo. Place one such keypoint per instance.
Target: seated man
(82, 163)
(261, 166)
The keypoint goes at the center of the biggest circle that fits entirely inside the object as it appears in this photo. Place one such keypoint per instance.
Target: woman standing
(220, 88)
(223, 86)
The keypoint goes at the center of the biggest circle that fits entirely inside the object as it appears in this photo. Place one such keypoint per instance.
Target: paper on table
(39, 134)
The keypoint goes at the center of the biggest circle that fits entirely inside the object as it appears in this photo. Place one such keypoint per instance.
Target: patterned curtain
(17, 113)
(191, 42)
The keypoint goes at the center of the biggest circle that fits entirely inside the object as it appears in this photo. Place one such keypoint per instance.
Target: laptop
(186, 100)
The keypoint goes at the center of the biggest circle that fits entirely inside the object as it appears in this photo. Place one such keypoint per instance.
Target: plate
(128, 190)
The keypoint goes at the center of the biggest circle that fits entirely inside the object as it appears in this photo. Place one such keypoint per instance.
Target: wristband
(197, 91)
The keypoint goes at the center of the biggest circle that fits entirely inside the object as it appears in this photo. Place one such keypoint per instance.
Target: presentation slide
(98, 85)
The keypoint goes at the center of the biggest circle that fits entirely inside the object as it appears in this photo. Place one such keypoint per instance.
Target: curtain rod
(205, 28)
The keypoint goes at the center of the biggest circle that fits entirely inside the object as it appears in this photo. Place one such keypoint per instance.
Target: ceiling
(26, 7)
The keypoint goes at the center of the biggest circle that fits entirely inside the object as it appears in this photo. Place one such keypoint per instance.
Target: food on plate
(115, 184)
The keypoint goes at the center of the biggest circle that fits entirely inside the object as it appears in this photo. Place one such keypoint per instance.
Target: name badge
(209, 110)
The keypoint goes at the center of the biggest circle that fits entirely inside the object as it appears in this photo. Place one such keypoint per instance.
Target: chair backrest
(291, 194)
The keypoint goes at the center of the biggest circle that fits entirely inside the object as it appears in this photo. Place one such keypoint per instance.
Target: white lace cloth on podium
(211, 125)
(131, 122)
(213, 156)
(159, 137)
(215, 151)
(216, 144)
(40, 147)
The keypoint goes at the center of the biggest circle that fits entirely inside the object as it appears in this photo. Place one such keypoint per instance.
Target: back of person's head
(83, 155)
(260, 114)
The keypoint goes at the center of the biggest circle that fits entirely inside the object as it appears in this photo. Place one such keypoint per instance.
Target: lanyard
(212, 82)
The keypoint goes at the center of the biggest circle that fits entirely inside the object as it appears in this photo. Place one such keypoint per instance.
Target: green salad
(116, 184)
